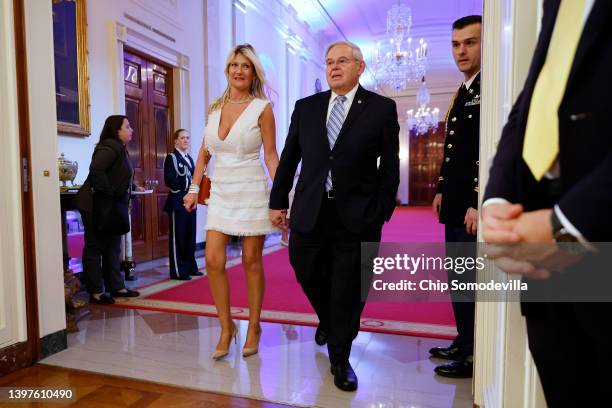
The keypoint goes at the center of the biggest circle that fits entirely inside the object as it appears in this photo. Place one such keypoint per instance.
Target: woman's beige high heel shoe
(219, 354)
(249, 351)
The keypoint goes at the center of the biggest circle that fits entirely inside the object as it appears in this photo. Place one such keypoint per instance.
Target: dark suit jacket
(585, 140)
(177, 181)
(110, 176)
(365, 193)
(458, 181)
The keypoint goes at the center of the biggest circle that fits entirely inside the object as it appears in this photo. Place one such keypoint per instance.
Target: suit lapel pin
(359, 101)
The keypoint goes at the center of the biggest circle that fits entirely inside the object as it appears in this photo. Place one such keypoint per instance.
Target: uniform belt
(330, 195)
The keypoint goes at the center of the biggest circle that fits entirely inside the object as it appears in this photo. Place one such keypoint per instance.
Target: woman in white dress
(239, 122)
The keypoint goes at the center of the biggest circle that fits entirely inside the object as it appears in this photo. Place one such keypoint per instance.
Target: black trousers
(101, 258)
(569, 343)
(463, 302)
(327, 263)
(182, 243)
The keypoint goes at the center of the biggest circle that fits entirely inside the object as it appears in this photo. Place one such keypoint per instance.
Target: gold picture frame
(70, 51)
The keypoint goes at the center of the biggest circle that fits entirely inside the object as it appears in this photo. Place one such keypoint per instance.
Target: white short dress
(239, 193)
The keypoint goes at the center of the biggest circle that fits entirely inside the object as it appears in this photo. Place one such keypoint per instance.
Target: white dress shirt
(468, 83)
(350, 95)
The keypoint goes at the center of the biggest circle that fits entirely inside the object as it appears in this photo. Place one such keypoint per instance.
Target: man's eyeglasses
(342, 61)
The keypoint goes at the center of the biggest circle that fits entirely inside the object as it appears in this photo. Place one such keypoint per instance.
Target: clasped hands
(522, 242)
(278, 218)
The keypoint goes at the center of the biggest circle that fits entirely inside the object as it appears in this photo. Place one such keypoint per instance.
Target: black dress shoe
(344, 376)
(457, 369)
(321, 336)
(451, 352)
(103, 300)
(127, 293)
(196, 273)
(185, 278)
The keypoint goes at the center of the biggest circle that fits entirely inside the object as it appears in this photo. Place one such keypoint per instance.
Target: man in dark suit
(456, 200)
(342, 197)
(551, 182)
(178, 171)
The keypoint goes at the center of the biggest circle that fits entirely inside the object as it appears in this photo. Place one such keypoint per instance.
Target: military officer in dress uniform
(456, 200)
(178, 170)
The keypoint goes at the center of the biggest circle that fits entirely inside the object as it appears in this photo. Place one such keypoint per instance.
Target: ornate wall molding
(127, 36)
(134, 38)
(276, 13)
(166, 10)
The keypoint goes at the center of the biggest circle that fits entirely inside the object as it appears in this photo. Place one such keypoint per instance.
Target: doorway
(426, 153)
(148, 106)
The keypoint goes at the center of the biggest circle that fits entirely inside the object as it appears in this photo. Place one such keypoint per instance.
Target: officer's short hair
(466, 21)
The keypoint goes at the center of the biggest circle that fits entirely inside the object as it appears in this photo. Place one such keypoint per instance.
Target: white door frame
(13, 322)
(504, 373)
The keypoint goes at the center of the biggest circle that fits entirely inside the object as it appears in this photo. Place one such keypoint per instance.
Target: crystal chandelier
(425, 118)
(393, 65)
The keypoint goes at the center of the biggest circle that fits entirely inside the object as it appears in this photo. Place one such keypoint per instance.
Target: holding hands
(278, 218)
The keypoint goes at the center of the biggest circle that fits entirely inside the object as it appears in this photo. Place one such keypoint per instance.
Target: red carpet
(413, 224)
(284, 294)
(75, 241)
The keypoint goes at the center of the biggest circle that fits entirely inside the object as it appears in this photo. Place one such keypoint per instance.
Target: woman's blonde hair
(258, 85)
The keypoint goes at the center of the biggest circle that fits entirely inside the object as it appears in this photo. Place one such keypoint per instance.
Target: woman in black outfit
(103, 203)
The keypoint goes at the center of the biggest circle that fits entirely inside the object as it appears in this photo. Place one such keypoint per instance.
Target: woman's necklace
(241, 100)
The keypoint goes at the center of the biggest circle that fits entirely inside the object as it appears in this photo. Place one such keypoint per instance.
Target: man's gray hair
(357, 54)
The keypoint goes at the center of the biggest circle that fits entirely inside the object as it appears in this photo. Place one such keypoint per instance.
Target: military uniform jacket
(458, 180)
(177, 176)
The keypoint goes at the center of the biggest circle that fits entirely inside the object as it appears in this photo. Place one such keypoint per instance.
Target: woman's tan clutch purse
(204, 193)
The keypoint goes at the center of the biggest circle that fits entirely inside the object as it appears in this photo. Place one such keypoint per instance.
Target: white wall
(182, 20)
(47, 222)
(292, 57)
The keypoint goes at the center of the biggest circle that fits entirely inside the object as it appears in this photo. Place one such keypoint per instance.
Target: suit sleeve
(171, 179)
(103, 158)
(442, 177)
(289, 160)
(388, 168)
(503, 175)
(587, 204)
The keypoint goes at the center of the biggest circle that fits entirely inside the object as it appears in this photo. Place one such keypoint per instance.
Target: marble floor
(175, 349)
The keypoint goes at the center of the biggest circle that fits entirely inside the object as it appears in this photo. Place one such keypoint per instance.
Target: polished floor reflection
(175, 349)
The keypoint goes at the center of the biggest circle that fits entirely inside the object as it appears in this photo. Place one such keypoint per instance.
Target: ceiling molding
(276, 12)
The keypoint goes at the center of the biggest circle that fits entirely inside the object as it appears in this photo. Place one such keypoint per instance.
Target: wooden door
(148, 86)
(426, 153)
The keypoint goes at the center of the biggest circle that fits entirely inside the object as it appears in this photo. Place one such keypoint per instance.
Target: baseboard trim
(53, 343)
(14, 357)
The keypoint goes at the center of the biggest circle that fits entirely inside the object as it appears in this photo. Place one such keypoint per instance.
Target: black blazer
(365, 193)
(178, 173)
(110, 176)
(458, 180)
(585, 140)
